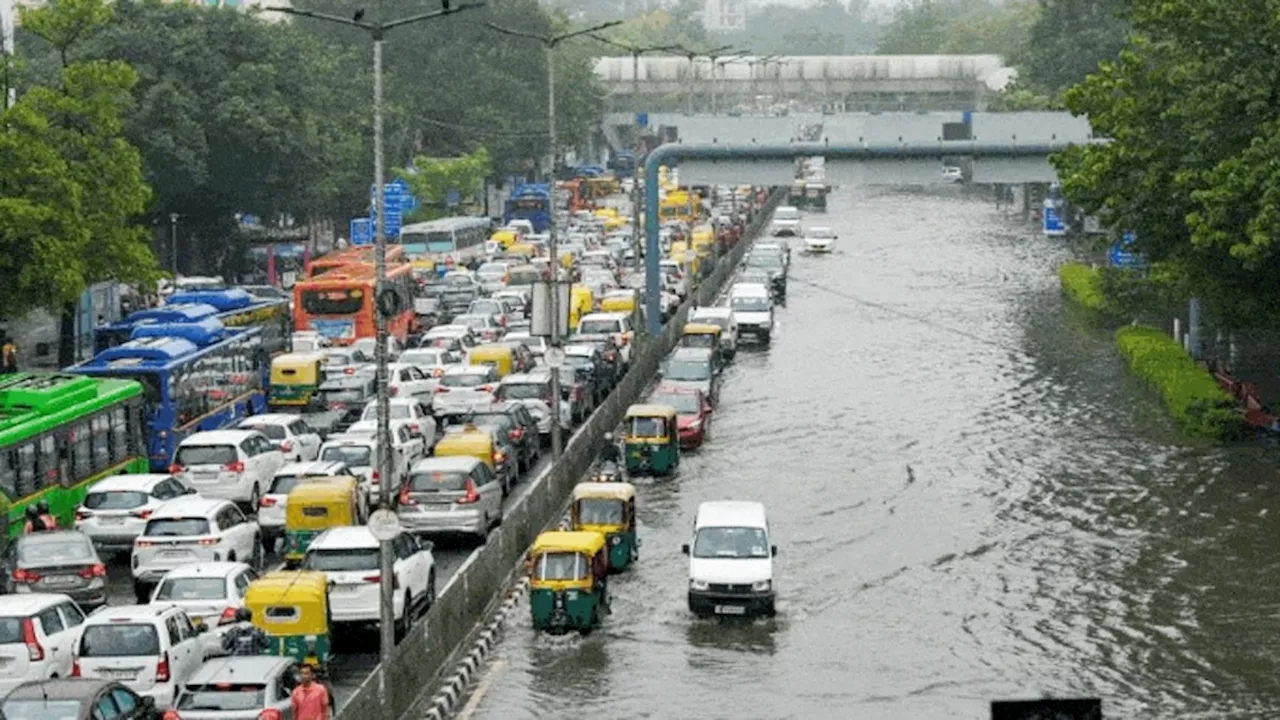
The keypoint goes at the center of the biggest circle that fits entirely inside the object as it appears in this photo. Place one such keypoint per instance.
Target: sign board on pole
(1053, 224)
(540, 319)
(1121, 257)
(361, 231)
(397, 200)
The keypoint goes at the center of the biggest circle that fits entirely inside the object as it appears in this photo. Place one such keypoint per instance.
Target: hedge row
(1083, 285)
(1200, 407)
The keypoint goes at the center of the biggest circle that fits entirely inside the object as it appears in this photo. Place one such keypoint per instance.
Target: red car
(693, 413)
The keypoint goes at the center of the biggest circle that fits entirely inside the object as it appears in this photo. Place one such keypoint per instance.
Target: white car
(752, 308)
(952, 174)
(228, 464)
(297, 441)
(368, 347)
(494, 275)
(115, 510)
(486, 327)
(411, 411)
(208, 592)
(723, 317)
(271, 509)
(348, 556)
(819, 240)
(190, 530)
(464, 387)
(432, 361)
(407, 381)
(360, 453)
(307, 341)
(38, 632)
(151, 649)
(615, 326)
(674, 277)
(533, 390)
(524, 226)
(786, 221)
(537, 344)
(408, 445)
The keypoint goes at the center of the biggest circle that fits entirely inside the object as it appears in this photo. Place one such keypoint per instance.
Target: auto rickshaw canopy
(646, 410)
(299, 368)
(290, 602)
(319, 504)
(695, 328)
(579, 541)
(604, 491)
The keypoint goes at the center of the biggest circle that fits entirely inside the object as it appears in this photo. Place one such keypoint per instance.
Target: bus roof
(171, 312)
(223, 300)
(155, 353)
(200, 333)
(30, 403)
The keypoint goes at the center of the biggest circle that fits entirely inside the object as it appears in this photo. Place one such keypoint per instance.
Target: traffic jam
(216, 461)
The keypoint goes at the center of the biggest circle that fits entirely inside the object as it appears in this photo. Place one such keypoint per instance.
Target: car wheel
(268, 544)
(256, 561)
(431, 593)
(254, 498)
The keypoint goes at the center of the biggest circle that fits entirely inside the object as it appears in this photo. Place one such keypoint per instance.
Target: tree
(1069, 40)
(432, 179)
(1191, 169)
(957, 27)
(70, 136)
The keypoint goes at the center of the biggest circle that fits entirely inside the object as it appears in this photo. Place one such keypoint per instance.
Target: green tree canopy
(1069, 40)
(1192, 110)
(432, 179)
(958, 27)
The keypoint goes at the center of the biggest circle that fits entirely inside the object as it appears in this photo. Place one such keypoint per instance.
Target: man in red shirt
(310, 700)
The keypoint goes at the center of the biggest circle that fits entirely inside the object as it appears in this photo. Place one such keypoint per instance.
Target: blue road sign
(642, 119)
(361, 231)
(453, 198)
(1053, 224)
(1121, 257)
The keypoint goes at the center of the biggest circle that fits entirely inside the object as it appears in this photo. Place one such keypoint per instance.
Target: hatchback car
(692, 369)
(486, 327)
(693, 413)
(465, 387)
(516, 422)
(348, 556)
(37, 631)
(191, 530)
(115, 510)
(409, 410)
(209, 592)
(296, 440)
(451, 495)
(152, 649)
(360, 453)
(240, 688)
(432, 361)
(232, 465)
(61, 561)
(533, 390)
(68, 698)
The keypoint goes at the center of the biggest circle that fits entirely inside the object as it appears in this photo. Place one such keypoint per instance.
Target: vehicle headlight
(762, 585)
(697, 585)
(615, 540)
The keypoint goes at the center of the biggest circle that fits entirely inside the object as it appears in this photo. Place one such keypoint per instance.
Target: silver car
(446, 495)
(239, 688)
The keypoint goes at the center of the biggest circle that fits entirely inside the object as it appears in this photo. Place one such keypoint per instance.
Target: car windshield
(438, 481)
(339, 396)
(189, 455)
(223, 697)
(55, 549)
(463, 380)
(562, 566)
(339, 359)
(500, 421)
(341, 559)
(485, 307)
(120, 640)
(192, 588)
(598, 327)
(686, 370)
(523, 391)
(115, 500)
(731, 543)
(41, 709)
(765, 260)
(176, 527)
(492, 269)
(600, 511)
(352, 455)
(647, 427)
(273, 432)
(748, 303)
(684, 403)
(282, 484)
(475, 322)
(424, 357)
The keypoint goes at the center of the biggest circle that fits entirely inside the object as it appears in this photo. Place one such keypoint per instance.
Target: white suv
(349, 558)
(190, 530)
(208, 592)
(151, 649)
(612, 326)
(37, 632)
(229, 464)
(296, 439)
(115, 510)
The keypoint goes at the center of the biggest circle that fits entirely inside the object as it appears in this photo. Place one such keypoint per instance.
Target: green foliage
(1192, 170)
(958, 27)
(71, 186)
(1069, 40)
(1017, 98)
(431, 179)
(1198, 405)
(1083, 285)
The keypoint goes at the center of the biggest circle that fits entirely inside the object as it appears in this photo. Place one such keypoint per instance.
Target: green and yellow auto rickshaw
(315, 506)
(609, 509)
(569, 581)
(652, 438)
(295, 378)
(292, 607)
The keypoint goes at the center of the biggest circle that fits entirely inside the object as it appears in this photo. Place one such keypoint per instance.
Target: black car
(339, 402)
(515, 422)
(79, 698)
(594, 371)
(775, 265)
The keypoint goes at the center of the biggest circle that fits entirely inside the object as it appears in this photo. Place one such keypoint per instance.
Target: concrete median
(480, 584)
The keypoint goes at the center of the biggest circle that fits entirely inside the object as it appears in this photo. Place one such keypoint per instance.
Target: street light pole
(377, 31)
(549, 43)
(173, 242)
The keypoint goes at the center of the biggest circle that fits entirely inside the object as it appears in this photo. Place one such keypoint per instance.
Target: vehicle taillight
(404, 496)
(269, 714)
(485, 388)
(349, 370)
(393, 390)
(228, 616)
(34, 652)
(267, 502)
(162, 669)
(93, 571)
(143, 514)
(22, 575)
(516, 434)
(441, 389)
(171, 715)
(140, 543)
(437, 372)
(75, 668)
(472, 496)
(176, 469)
(499, 456)
(377, 475)
(415, 427)
(235, 467)
(82, 514)
(286, 446)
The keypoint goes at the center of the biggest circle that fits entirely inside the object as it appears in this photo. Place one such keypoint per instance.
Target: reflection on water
(732, 635)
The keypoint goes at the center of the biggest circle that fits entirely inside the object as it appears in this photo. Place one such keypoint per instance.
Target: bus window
(48, 460)
(27, 483)
(101, 440)
(81, 455)
(137, 430)
(333, 302)
(9, 472)
(119, 436)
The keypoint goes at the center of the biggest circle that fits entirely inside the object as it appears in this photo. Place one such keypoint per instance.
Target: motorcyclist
(245, 638)
(610, 455)
(34, 522)
(50, 522)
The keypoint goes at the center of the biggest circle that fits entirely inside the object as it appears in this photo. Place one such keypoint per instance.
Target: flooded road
(972, 501)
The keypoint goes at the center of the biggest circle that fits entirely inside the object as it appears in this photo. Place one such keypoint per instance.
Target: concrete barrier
(482, 582)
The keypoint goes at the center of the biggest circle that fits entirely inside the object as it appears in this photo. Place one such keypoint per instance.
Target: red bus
(340, 304)
(358, 255)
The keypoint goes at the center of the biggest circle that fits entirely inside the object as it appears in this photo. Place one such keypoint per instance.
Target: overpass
(864, 83)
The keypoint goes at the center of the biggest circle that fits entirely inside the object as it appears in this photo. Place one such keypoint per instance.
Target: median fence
(415, 669)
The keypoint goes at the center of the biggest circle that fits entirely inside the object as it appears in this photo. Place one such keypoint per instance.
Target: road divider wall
(476, 589)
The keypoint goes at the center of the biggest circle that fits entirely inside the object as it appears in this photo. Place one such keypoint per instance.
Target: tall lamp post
(717, 64)
(173, 243)
(635, 52)
(692, 55)
(385, 524)
(549, 43)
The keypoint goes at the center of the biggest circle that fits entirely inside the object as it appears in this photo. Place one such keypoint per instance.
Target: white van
(786, 221)
(731, 560)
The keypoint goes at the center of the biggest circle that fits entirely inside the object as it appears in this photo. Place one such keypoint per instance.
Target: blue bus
(234, 307)
(196, 376)
(530, 202)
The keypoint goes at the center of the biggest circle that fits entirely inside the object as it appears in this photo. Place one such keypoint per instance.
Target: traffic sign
(361, 231)
(384, 525)
(1120, 257)
(555, 357)
(1053, 224)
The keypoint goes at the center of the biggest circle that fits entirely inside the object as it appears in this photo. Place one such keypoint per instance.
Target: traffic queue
(471, 414)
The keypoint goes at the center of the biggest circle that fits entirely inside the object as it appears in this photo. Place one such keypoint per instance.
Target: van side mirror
(773, 550)
(685, 548)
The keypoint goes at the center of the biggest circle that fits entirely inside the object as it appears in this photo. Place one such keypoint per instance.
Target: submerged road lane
(972, 499)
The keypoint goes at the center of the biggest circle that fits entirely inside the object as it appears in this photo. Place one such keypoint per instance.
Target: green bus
(59, 434)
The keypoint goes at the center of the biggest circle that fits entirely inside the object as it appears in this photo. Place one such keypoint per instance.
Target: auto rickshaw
(653, 444)
(568, 583)
(620, 301)
(500, 357)
(505, 238)
(609, 509)
(522, 249)
(295, 378)
(314, 507)
(581, 302)
(292, 608)
(705, 335)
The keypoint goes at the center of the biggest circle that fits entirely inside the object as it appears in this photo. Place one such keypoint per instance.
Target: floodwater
(972, 501)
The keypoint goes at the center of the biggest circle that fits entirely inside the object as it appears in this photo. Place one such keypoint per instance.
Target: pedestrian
(46, 517)
(8, 354)
(310, 700)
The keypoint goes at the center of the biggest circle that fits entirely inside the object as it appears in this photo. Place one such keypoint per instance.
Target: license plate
(118, 674)
(346, 588)
(174, 553)
(111, 520)
(60, 580)
(730, 610)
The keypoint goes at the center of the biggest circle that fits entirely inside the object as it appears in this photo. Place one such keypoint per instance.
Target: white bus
(460, 238)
